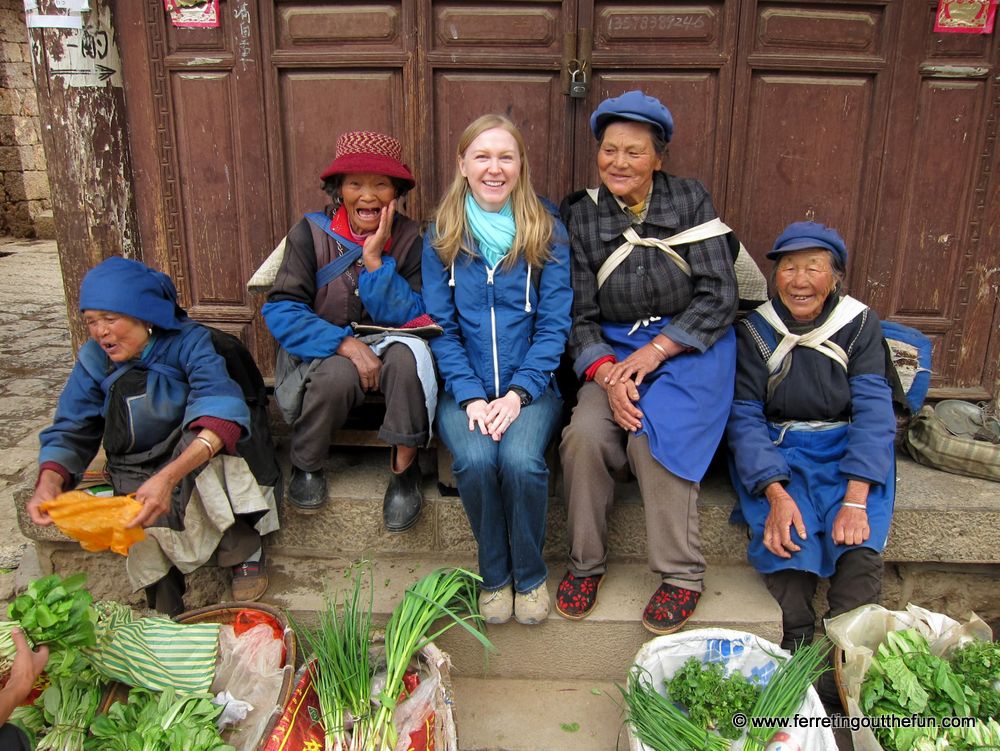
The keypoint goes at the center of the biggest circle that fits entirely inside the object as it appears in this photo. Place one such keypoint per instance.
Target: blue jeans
(504, 487)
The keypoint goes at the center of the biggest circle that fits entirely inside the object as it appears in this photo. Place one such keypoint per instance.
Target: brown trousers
(593, 448)
(333, 389)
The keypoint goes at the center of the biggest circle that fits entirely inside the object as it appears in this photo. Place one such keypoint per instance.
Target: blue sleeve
(552, 319)
(871, 432)
(758, 461)
(301, 332)
(212, 392)
(449, 349)
(73, 439)
(387, 296)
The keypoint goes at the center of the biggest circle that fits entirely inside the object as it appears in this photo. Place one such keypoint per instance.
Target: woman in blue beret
(654, 296)
(811, 434)
(151, 385)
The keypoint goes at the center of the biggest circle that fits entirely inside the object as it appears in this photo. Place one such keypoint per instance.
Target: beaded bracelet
(861, 506)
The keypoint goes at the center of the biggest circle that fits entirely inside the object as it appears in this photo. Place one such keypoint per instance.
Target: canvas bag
(930, 442)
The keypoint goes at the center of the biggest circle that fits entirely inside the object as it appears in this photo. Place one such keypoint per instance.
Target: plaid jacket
(648, 283)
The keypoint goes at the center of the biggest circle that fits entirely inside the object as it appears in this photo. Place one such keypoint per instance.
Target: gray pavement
(35, 358)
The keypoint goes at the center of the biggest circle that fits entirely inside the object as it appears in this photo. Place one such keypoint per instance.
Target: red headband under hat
(368, 151)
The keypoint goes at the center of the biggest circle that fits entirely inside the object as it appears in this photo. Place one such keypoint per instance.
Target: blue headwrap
(120, 285)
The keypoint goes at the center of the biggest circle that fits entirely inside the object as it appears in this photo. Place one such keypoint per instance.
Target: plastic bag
(413, 717)
(97, 523)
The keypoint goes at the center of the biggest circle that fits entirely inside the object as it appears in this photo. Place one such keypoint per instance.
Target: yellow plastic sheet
(97, 523)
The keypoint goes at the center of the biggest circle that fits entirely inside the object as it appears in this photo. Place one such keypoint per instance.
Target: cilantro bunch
(712, 698)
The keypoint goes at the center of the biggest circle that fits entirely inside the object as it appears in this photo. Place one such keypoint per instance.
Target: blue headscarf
(124, 286)
(493, 230)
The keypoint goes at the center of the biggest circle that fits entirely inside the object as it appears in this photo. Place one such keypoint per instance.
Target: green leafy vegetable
(56, 611)
(978, 664)
(710, 697)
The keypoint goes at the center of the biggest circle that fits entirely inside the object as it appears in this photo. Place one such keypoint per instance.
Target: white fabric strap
(714, 228)
(846, 310)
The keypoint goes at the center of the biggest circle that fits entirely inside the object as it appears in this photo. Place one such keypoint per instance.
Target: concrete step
(600, 647)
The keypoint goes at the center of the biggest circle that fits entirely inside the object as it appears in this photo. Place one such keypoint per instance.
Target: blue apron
(685, 402)
(818, 487)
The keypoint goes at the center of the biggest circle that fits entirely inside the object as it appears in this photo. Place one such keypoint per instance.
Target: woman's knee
(399, 359)
(334, 374)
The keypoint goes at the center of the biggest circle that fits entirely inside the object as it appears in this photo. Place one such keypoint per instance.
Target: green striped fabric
(157, 653)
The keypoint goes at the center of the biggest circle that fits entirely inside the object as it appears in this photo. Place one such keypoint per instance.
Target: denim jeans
(504, 487)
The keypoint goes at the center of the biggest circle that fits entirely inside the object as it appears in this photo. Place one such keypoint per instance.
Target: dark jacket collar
(613, 220)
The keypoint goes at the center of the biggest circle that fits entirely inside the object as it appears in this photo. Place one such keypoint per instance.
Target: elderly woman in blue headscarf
(811, 433)
(152, 386)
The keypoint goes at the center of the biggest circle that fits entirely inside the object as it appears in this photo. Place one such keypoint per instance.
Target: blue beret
(120, 285)
(633, 105)
(805, 235)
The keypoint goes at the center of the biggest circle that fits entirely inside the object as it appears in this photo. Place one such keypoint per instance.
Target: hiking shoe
(532, 607)
(250, 580)
(577, 595)
(669, 609)
(496, 606)
(307, 490)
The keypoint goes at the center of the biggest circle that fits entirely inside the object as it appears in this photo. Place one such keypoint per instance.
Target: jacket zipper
(493, 327)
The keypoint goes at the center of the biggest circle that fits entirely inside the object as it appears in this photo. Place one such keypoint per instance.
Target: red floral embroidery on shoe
(669, 608)
(577, 595)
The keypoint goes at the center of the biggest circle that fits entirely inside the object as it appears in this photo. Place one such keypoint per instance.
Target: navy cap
(805, 235)
(633, 105)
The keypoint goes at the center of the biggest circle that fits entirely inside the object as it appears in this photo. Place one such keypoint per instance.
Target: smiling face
(364, 194)
(626, 160)
(491, 165)
(804, 279)
(121, 337)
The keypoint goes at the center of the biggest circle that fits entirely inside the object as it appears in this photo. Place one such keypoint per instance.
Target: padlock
(578, 84)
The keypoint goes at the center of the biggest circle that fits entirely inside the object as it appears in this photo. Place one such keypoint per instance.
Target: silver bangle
(659, 349)
(211, 449)
(861, 506)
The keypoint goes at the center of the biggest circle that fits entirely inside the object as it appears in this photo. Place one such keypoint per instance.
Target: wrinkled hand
(28, 663)
(850, 526)
(375, 243)
(155, 495)
(783, 516)
(622, 398)
(501, 413)
(478, 414)
(368, 365)
(643, 361)
(49, 486)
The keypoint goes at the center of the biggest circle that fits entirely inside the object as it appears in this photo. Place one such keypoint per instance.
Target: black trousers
(12, 738)
(857, 581)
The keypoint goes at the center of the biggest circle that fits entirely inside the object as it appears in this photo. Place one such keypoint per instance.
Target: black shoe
(401, 506)
(307, 490)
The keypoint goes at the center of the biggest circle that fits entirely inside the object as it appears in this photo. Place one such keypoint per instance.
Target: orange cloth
(97, 523)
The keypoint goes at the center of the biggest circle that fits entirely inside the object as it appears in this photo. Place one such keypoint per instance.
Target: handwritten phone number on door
(655, 22)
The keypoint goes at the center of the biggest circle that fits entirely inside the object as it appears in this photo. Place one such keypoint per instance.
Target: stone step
(600, 647)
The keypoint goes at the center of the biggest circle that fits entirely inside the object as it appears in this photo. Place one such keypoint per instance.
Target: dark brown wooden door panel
(334, 28)
(505, 29)
(856, 32)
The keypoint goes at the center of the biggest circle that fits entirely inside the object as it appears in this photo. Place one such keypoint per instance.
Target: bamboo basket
(225, 614)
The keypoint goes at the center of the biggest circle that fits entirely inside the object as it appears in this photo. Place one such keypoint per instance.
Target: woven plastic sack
(97, 523)
(736, 651)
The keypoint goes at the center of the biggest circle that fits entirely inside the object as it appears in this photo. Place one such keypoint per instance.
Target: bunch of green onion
(445, 593)
(657, 721)
(786, 690)
(341, 669)
(7, 648)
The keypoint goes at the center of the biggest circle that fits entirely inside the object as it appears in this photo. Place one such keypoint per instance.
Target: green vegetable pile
(710, 697)
(151, 722)
(906, 678)
(56, 612)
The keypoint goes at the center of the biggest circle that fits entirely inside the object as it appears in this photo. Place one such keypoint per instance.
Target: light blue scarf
(493, 230)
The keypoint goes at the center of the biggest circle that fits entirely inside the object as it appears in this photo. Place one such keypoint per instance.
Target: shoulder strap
(341, 263)
(846, 310)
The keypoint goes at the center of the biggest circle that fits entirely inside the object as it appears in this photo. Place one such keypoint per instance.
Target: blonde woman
(496, 277)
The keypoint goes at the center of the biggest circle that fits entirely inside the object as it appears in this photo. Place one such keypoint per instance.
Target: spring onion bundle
(341, 670)
(7, 649)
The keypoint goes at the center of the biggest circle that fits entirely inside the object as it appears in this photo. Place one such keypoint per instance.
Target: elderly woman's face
(627, 160)
(804, 279)
(364, 194)
(121, 337)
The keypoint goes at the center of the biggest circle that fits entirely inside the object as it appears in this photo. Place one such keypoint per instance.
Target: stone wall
(25, 208)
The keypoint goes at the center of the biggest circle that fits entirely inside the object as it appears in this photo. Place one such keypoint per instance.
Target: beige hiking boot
(496, 606)
(532, 607)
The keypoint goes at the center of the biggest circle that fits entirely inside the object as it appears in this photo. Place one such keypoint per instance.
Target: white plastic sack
(860, 632)
(737, 651)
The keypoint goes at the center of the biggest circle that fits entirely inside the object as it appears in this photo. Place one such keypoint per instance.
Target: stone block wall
(25, 206)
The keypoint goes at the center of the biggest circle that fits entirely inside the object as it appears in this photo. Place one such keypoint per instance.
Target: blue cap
(120, 285)
(805, 235)
(633, 105)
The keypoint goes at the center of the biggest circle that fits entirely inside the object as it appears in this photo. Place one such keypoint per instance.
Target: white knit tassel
(527, 291)
(451, 281)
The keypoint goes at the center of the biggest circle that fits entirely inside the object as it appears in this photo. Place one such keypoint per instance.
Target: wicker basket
(225, 614)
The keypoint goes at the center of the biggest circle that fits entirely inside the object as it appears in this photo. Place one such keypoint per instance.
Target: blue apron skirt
(817, 486)
(685, 402)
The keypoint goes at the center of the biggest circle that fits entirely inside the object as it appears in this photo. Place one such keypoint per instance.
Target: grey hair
(838, 271)
(659, 142)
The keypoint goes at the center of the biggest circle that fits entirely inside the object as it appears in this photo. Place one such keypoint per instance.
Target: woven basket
(225, 614)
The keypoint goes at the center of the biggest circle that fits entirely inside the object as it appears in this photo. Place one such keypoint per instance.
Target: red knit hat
(368, 151)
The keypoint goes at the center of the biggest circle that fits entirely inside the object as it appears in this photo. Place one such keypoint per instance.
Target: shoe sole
(659, 631)
(395, 530)
(306, 511)
(584, 614)
(531, 621)
(249, 598)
